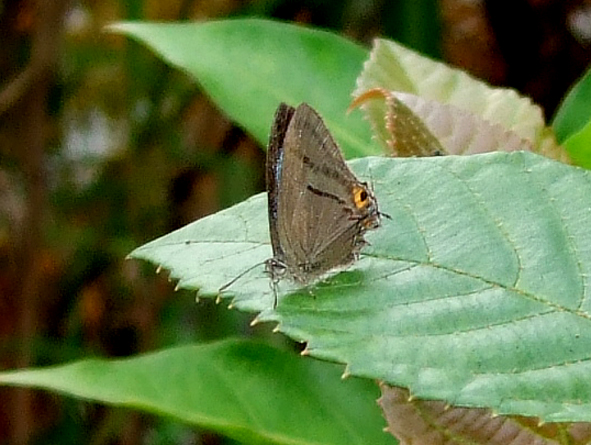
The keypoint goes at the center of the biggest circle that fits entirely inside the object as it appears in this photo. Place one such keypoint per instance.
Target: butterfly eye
(360, 196)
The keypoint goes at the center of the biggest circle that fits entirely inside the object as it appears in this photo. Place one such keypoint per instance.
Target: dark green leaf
(247, 391)
(579, 146)
(248, 66)
(575, 111)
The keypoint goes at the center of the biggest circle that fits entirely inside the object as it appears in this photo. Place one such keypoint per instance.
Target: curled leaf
(473, 105)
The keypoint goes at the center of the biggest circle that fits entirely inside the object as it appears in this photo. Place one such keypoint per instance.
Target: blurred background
(103, 148)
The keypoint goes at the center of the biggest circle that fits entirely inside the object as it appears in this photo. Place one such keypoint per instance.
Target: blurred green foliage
(133, 149)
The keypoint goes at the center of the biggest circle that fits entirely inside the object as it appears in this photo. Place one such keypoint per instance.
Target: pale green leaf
(476, 292)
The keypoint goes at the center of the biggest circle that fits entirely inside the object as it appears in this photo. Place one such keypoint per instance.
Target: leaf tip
(113, 27)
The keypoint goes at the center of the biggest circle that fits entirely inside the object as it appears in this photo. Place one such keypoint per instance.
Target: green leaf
(248, 66)
(393, 67)
(476, 292)
(575, 110)
(245, 390)
(579, 146)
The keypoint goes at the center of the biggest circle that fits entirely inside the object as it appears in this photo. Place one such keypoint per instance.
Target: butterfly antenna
(236, 278)
(370, 184)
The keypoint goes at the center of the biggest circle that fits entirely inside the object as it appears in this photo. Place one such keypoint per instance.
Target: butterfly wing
(319, 219)
(274, 170)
